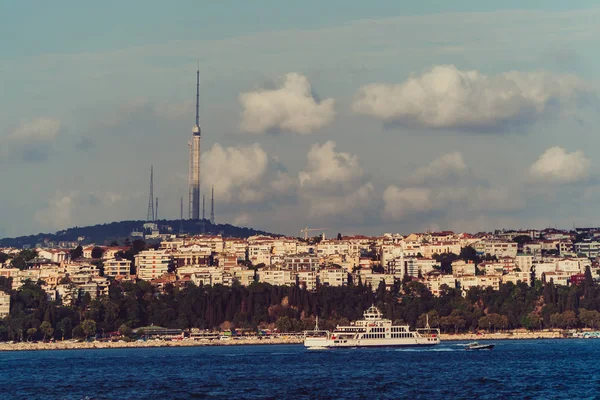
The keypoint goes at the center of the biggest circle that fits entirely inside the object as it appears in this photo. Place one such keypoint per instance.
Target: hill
(117, 231)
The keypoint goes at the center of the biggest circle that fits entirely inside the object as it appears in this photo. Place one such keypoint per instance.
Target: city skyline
(387, 118)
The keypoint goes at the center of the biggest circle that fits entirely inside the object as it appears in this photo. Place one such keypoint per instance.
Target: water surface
(530, 369)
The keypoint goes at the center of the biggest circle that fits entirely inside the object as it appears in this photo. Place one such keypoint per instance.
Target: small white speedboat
(477, 346)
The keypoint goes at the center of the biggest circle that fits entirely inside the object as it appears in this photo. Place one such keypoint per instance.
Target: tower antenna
(198, 95)
(156, 210)
(194, 147)
(203, 199)
(150, 214)
(212, 207)
(181, 217)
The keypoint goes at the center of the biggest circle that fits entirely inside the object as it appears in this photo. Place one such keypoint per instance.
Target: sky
(359, 117)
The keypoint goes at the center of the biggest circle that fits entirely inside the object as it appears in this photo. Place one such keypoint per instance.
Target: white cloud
(451, 164)
(291, 107)
(333, 183)
(31, 141)
(400, 203)
(58, 213)
(39, 129)
(243, 174)
(242, 219)
(344, 204)
(70, 207)
(327, 168)
(446, 97)
(556, 165)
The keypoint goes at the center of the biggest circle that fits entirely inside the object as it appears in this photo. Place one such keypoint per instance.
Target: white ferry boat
(373, 330)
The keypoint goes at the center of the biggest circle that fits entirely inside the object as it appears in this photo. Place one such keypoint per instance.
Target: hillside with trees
(291, 308)
(117, 231)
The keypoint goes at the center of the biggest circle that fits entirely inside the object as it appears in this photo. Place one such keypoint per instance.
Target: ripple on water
(535, 369)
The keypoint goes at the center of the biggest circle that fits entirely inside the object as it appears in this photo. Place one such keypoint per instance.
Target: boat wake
(443, 349)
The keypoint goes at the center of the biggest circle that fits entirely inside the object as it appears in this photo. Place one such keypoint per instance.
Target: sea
(519, 369)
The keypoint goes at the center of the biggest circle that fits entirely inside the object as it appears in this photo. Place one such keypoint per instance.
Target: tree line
(131, 305)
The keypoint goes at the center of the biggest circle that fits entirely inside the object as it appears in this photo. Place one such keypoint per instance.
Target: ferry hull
(330, 344)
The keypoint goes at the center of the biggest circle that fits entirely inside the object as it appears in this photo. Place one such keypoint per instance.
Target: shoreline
(68, 345)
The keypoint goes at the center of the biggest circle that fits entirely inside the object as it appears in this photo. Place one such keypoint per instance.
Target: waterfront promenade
(73, 345)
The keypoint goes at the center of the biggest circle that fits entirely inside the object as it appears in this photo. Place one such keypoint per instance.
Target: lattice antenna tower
(181, 217)
(212, 206)
(150, 214)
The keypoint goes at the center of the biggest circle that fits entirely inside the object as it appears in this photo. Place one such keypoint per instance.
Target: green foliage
(446, 260)
(97, 252)
(76, 253)
(3, 257)
(130, 305)
(106, 233)
(522, 239)
(47, 329)
(125, 330)
(88, 327)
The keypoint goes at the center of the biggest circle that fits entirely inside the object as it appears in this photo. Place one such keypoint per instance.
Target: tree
(88, 326)
(30, 333)
(283, 324)
(18, 262)
(64, 326)
(522, 239)
(125, 330)
(97, 252)
(76, 253)
(137, 246)
(434, 319)
(590, 318)
(339, 236)
(46, 329)
(469, 254)
(3, 257)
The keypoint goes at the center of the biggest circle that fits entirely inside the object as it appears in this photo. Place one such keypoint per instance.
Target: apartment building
(333, 277)
(151, 264)
(4, 304)
(117, 266)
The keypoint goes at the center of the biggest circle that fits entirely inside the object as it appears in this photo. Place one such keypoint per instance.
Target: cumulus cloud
(559, 166)
(40, 129)
(328, 168)
(66, 208)
(404, 203)
(446, 97)
(451, 164)
(399, 203)
(333, 182)
(32, 140)
(291, 107)
(243, 174)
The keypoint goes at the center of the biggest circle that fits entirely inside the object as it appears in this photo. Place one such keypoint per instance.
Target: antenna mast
(150, 214)
(198, 95)
(156, 210)
(181, 217)
(212, 207)
(203, 199)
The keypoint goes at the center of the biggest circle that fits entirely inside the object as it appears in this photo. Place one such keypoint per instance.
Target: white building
(307, 279)
(590, 248)
(298, 262)
(333, 277)
(4, 304)
(524, 262)
(151, 264)
(276, 276)
(116, 267)
(460, 268)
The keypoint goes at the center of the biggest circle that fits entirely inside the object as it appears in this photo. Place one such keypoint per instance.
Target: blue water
(536, 369)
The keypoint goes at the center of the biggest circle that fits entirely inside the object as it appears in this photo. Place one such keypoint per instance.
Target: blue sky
(93, 93)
